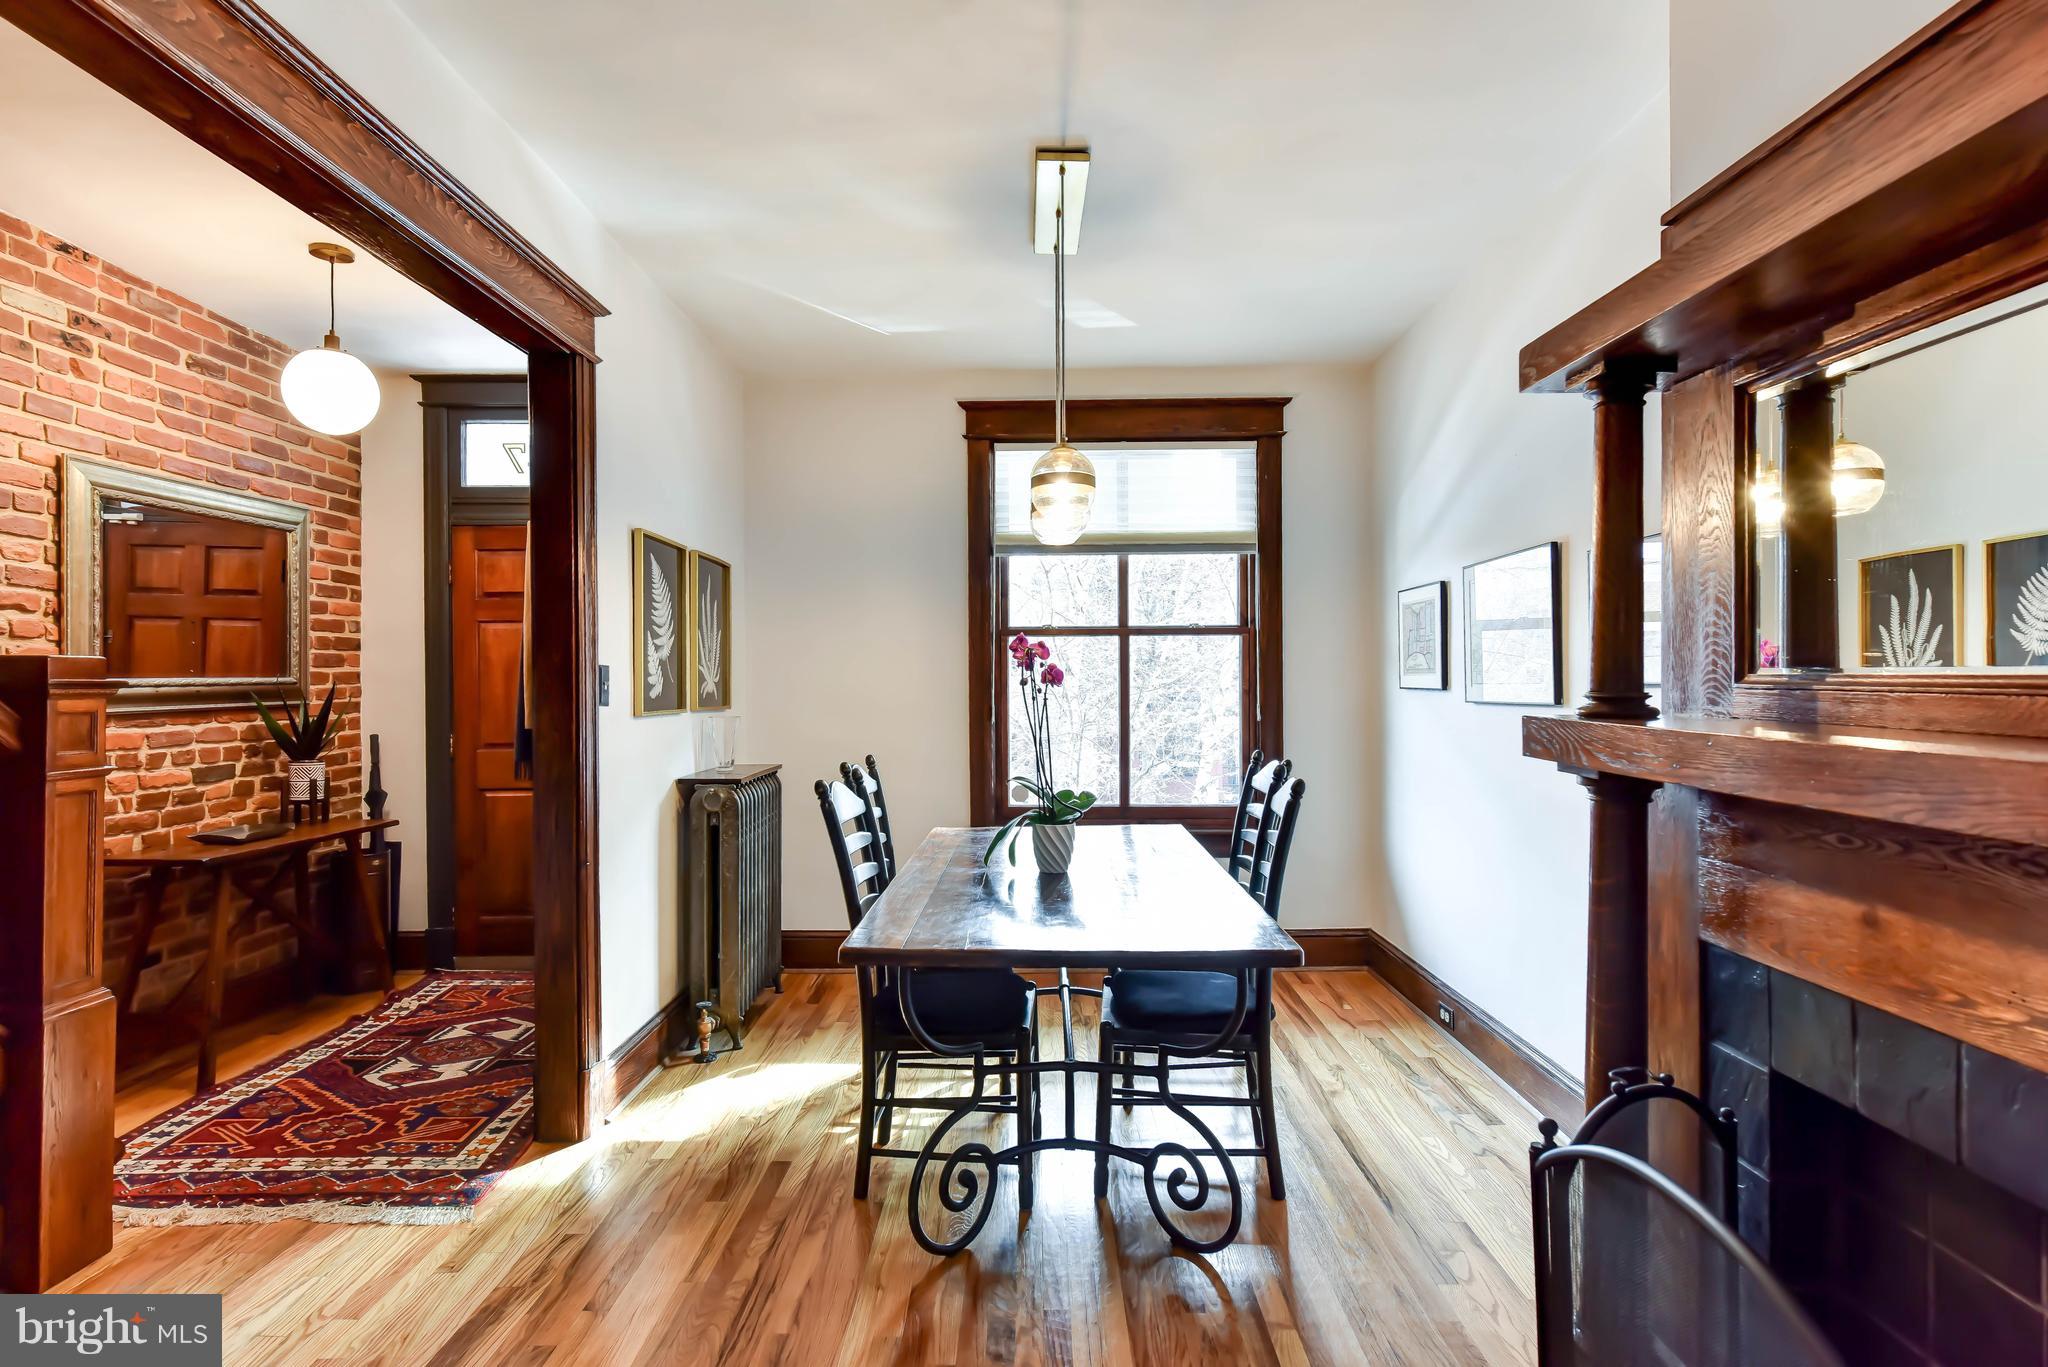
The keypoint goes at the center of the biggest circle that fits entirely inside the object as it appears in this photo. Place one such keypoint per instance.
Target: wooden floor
(711, 1222)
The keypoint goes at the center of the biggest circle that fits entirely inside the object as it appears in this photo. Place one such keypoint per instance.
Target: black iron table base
(1177, 1178)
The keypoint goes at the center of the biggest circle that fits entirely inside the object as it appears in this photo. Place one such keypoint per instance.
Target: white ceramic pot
(1054, 846)
(306, 781)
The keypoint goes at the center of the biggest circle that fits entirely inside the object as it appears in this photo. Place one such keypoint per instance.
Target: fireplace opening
(1895, 1178)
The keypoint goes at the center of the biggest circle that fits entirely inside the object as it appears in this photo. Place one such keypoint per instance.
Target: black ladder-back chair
(992, 1009)
(1630, 1267)
(1145, 1008)
(1261, 778)
(867, 781)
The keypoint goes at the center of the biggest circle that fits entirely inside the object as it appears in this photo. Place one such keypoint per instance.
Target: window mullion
(1123, 656)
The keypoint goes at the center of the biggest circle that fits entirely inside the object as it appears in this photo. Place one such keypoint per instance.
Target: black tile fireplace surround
(1896, 1179)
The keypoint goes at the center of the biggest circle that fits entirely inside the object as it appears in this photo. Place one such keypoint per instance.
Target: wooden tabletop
(194, 853)
(1134, 895)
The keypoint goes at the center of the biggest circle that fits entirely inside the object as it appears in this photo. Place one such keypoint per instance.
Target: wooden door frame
(446, 402)
(228, 76)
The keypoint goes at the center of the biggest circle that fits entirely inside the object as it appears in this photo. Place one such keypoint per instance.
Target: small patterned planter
(305, 789)
(1054, 846)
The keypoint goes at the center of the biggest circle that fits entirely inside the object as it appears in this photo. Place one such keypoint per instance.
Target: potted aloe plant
(1054, 811)
(302, 736)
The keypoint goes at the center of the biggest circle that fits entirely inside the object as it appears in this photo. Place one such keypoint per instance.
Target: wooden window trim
(999, 422)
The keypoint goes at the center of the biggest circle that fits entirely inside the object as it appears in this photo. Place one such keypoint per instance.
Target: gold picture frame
(708, 665)
(1993, 611)
(660, 596)
(1864, 649)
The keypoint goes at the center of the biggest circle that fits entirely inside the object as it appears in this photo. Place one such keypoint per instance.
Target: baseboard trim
(633, 1062)
(811, 951)
(409, 949)
(1534, 1077)
(1331, 947)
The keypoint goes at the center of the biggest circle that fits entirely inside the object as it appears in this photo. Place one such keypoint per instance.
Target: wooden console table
(224, 862)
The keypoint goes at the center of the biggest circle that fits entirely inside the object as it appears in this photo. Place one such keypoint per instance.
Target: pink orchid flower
(1052, 676)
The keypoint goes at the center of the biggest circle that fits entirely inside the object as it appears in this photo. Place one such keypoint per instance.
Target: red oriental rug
(404, 1115)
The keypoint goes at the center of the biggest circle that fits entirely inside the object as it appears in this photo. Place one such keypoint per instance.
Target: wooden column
(1614, 688)
(1617, 908)
(1807, 533)
(1617, 929)
(57, 1106)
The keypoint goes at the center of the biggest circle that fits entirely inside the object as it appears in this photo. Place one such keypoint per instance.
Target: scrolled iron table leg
(967, 1175)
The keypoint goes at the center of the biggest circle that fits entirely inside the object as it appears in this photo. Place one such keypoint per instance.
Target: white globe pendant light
(1062, 480)
(325, 388)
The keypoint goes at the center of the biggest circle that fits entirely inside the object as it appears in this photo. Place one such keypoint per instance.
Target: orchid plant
(1037, 677)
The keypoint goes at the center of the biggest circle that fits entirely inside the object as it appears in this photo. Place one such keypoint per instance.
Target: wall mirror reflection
(193, 594)
(1899, 503)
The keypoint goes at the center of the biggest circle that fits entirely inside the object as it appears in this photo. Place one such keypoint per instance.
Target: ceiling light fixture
(1062, 480)
(325, 388)
(1858, 480)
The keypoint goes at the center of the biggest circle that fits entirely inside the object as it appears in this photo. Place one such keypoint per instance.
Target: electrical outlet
(1446, 1016)
(604, 685)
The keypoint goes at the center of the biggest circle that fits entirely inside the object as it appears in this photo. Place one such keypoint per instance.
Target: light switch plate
(604, 685)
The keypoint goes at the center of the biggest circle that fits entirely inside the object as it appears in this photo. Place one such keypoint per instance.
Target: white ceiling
(830, 185)
(81, 162)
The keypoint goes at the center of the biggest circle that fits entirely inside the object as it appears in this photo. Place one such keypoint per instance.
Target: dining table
(1132, 896)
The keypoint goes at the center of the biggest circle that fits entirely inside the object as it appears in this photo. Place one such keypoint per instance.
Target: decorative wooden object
(1883, 837)
(57, 1112)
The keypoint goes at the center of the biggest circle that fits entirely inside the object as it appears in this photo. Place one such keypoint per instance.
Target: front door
(493, 805)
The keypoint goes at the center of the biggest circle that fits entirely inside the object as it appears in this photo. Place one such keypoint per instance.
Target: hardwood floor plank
(712, 1221)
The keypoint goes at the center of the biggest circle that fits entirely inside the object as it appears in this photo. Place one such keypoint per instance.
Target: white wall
(1483, 861)
(394, 623)
(668, 458)
(1743, 69)
(857, 603)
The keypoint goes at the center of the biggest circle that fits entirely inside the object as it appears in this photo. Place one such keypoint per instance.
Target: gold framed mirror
(195, 595)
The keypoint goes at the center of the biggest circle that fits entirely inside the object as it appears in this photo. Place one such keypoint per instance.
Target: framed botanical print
(2016, 600)
(1424, 614)
(658, 587)
(1911, 607)
(709, 668)
(1514, 648)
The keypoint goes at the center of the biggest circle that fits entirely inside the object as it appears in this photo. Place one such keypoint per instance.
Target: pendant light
(1062, 480)
(1858, 471)
(325, 388)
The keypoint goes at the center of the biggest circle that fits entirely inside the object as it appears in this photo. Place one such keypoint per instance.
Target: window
(1163, 617)
(1154, 649)
(494, 455)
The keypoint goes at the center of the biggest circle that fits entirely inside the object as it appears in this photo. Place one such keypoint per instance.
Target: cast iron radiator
(729, 862)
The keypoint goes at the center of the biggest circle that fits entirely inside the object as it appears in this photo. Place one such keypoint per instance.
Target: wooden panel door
(493, 806)
(197, 597)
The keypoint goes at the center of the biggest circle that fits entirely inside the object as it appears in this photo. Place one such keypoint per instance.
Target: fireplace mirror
(1899, 503)
(195, 595)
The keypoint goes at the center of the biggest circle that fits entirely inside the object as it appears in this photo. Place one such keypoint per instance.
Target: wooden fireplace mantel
(1992, 786)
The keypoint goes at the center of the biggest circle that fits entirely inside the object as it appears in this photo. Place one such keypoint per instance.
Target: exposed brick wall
(98, 362)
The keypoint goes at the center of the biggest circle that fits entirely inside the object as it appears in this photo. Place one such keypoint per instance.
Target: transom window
(1154, 616)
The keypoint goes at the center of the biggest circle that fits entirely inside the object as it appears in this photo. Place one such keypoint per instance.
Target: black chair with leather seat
(1145, 1008)
(867, 781)
(990, 1010)
(1261, 777)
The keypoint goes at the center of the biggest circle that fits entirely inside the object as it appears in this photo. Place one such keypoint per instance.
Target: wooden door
(493, 806)
(195, 597)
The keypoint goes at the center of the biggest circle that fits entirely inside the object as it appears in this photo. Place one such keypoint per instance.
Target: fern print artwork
(2030, 618)
(658, 625)
(1909, 609)
(2016, 573)
(709, 652)
(661, 629)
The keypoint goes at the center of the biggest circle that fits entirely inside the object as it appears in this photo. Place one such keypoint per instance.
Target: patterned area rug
(405, 1115)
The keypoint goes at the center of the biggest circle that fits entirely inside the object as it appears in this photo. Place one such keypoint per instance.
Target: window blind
(1148, 497)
